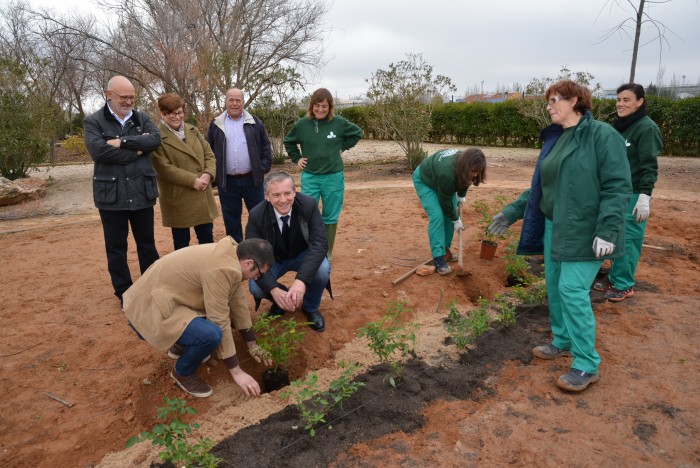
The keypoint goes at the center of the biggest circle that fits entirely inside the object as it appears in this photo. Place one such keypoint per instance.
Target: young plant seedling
(279, 339)
(172, 434)
(314, 404)
(487, 212)
(390, 335)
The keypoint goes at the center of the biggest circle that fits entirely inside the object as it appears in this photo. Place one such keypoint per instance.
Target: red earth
(64, 335)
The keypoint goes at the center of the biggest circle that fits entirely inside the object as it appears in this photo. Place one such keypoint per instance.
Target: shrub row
(503, 124)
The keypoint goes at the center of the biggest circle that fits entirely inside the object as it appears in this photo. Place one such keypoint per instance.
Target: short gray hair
(276, 177)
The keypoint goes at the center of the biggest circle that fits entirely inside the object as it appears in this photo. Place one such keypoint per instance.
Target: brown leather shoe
(192, 384)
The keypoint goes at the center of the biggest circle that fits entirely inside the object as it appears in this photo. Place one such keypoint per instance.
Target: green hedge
(502, 124)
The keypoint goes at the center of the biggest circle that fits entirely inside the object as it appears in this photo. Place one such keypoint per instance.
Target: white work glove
(641, 209)
(602, 248)
(458, 225)
(500, 224)
(463, 200)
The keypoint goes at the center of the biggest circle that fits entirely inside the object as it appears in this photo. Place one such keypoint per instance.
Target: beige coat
(197, 281)
(178, 164)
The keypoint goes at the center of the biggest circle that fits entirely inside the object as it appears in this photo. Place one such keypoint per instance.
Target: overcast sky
(497, 41)
(504, 41)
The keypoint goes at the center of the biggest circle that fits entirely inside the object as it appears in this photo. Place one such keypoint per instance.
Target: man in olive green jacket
(187, 301)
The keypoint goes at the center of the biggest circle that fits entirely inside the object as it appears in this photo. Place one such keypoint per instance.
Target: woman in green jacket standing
(574, 214)
(442, 180)
(323, 137)
(643, 140)
(185, 166)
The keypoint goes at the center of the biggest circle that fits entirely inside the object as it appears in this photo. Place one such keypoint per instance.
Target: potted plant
(489, 241)
(279, 341)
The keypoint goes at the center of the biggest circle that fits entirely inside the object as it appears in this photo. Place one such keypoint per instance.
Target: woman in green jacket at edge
(643, 140)
(323, 137)
(574, 214)
(441, 181)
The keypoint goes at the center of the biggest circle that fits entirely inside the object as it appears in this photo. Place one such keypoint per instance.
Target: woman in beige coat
(185, 166)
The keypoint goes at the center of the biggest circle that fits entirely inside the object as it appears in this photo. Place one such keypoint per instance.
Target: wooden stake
(63, 402)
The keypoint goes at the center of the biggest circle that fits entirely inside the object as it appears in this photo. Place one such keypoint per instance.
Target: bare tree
(535, 106)
(635, 23)
(403, 99)
(200, 48)
(56, 64)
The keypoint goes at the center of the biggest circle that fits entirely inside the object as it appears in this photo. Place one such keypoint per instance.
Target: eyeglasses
(125, 98)
(257, 266)
(177, 114)
(554, 99)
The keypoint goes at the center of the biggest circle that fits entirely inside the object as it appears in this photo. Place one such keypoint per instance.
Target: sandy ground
(64, 335)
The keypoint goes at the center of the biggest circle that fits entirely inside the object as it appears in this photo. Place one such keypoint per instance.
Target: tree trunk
(637, 33)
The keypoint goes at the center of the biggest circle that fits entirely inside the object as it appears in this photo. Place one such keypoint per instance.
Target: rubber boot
(330, 233)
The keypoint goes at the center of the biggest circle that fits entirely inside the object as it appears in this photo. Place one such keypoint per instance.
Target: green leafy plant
(313, 403)
(506, 310)
(487, 212)
(457, 326)
(172, 434)
(536, 293)
(465, 329)
(75, 144)
(390, 335)
(279, 339)
(516, 265)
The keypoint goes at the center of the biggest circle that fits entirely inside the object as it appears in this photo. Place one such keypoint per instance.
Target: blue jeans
(115, 225)
(204, 233)
(199, 340)
(314, 291)
(237, 190)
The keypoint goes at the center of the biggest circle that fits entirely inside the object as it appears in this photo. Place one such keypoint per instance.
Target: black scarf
(623, 123)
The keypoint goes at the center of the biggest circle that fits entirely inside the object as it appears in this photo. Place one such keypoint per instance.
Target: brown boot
(449, 256)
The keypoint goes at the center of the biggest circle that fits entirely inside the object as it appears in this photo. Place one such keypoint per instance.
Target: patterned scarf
(180, 132)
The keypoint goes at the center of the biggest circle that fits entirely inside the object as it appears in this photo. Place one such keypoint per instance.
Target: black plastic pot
(274, 379)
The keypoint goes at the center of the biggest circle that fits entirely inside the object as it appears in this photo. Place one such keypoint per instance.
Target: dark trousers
(115, 225)
(237, 190)
(204, 233)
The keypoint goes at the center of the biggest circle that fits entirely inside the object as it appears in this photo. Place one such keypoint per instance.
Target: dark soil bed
(378, 409)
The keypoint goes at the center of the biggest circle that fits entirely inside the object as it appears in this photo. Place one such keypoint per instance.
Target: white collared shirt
(237, 157)
(119, 119)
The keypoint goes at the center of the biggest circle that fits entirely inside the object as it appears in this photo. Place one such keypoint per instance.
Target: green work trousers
(570, 311)
(440, 227)
(329, 190)
(623, 269)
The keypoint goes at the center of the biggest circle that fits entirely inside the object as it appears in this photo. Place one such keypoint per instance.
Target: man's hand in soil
(248, 384)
